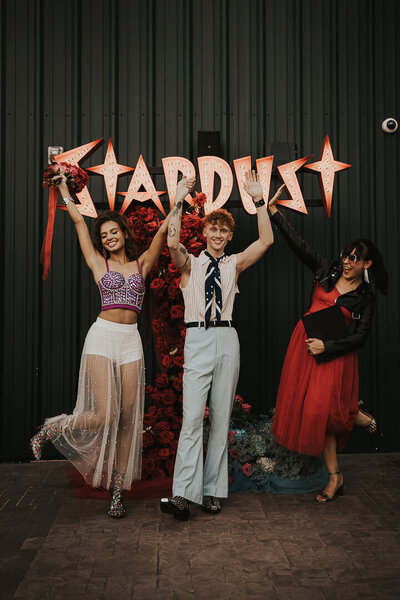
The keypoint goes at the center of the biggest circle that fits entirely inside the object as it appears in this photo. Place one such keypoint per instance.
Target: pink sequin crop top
(118, 292)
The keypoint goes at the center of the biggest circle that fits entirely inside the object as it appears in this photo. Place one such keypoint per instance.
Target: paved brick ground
(261, 546)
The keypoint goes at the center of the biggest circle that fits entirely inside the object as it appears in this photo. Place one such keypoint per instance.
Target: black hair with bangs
(365, 250)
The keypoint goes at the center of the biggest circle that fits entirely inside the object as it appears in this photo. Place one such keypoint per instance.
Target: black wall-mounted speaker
(208, 143)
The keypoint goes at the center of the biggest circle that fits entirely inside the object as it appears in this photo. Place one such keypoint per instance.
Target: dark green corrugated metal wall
(150, 75)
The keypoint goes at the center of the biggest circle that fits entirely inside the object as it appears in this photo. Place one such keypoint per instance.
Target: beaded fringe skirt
(104, 433)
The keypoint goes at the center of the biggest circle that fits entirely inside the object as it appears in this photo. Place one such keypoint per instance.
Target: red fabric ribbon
(45, 253)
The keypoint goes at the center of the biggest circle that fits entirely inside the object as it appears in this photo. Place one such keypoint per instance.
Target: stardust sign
(208, 168)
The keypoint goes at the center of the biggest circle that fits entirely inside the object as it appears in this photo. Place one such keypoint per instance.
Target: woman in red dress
(317, 402)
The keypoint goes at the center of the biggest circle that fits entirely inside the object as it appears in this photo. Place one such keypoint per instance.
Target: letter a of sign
(173, 165)
(75, 157)
(141, 177)
(288, 174)
(208, 166)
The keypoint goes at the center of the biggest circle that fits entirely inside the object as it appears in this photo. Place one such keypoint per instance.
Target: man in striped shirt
(211, 367)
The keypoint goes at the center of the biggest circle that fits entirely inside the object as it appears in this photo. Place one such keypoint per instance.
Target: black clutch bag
(325, 324)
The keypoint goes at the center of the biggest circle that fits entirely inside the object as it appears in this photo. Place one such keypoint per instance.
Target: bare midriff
(119, 315)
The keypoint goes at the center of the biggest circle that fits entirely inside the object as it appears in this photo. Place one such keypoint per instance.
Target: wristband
(259, 203)
(67, 200)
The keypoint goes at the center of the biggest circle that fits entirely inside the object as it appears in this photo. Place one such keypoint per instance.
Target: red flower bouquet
(76, 177)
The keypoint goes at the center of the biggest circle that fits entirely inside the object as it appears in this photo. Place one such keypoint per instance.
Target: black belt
(212, 324)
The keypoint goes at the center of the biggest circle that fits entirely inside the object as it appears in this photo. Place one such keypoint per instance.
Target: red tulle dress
(315, 400)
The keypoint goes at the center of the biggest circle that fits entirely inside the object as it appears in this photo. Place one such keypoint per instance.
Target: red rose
(166, 437)
(168, 398)
(238, 399)
(157, 283)
(233, 453)
(179, 360)
(167, 361)
(206, 412)
(164, 453)
(247, 469)
(173, 269)
(246, 408)
(177, 311)
(162, 381)
(173, 293)
(231, 436)
(177, 383)
(161, 425)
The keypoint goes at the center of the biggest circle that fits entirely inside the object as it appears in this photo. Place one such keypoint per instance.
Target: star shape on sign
(110, 170)
(326, 168)
(141, 177)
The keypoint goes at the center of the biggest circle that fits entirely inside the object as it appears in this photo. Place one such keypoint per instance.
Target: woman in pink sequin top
(103, 435)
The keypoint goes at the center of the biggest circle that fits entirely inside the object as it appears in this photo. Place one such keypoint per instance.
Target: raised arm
(149, 257)
(179, 254)
(310, 257)
(92, 257)
(255, 251)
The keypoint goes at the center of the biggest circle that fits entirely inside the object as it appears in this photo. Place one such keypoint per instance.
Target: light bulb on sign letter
(141, 177)
(208, 166)
(75, 157)
(242, 166)
(110, 170)
(264, 170)
(173, 165)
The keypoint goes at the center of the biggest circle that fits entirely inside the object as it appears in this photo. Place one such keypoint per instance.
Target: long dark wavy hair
(366, 250)
(122, 222)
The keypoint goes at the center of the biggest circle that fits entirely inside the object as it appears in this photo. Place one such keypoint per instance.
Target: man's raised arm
(255, 251)
(178, 252)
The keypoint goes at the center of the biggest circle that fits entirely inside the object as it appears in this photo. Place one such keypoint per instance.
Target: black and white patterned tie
(213, 280)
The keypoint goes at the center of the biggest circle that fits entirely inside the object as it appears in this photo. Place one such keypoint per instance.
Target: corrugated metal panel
(150, 75)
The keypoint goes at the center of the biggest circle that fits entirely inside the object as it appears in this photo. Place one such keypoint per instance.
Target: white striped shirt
(194, 292)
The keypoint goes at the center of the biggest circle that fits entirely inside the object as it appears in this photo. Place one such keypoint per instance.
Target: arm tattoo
(187, 258)
(177, 208)
(182, 249)
(171, 231)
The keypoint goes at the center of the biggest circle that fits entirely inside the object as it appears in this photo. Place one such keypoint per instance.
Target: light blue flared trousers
(212, 359)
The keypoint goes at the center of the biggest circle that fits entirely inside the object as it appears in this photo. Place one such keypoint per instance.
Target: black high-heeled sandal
(338, 492)
(371, 427)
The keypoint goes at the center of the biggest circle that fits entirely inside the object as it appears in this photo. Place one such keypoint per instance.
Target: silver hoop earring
(366, 276)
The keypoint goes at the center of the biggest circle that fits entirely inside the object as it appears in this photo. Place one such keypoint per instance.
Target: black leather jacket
(360, 302)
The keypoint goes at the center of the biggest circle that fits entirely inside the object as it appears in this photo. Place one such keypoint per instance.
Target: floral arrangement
(162, 421)
(253, 450)
(76, 177)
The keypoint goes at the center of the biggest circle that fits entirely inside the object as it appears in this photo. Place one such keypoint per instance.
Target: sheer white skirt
(104, 433)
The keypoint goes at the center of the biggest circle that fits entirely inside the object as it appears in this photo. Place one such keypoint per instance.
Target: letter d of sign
(208, 166)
